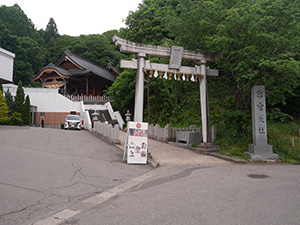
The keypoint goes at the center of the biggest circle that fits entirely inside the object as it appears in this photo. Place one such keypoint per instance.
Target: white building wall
(6, 65)
(46, 99)
(49, 100)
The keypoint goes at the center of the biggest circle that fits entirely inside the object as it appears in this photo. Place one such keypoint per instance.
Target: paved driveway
(43, 171)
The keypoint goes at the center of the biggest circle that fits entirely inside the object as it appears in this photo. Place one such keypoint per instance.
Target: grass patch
(280, 136)
(230, 145)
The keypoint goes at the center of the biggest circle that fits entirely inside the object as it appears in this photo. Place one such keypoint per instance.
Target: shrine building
(74, 75)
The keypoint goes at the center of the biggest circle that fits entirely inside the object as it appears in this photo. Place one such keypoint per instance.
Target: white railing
(89, 98)
(168, 133)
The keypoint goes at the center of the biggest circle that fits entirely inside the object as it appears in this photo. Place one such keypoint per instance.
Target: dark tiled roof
(59, 69)
(79, 72)
(90, 66)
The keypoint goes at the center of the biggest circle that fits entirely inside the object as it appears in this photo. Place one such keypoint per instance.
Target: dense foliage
(18, 35)
(259, 40)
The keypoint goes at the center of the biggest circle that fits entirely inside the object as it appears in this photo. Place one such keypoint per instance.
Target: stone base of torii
(173, 70)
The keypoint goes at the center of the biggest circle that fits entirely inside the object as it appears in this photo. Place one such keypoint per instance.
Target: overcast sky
(74, 17)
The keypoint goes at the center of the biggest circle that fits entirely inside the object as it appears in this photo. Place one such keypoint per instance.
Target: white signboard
(136, 143)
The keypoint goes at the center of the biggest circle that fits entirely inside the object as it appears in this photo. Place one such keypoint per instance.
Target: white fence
(168, 133)
(89, 98)
(108, 132)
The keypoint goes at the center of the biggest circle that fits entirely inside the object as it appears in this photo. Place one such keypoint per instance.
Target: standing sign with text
(137, 143)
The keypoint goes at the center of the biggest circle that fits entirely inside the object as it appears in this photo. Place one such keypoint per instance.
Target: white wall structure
(87, 124)
(48, 100)
(6, 66)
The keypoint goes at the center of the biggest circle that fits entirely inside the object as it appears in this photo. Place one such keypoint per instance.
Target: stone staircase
(103, 116)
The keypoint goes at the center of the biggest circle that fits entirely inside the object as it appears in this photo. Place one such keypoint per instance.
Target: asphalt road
(216, 195)
(44, 171)
(52, 177)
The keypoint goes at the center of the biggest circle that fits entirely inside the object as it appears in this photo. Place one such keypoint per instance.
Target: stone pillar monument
(259, 150)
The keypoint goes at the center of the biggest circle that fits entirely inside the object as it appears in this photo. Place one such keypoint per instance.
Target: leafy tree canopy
(16, 21)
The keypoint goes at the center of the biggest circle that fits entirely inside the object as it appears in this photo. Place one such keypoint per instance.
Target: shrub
(16, 119)
(4, 111)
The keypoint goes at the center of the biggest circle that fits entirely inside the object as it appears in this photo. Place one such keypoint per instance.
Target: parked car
(72, 122)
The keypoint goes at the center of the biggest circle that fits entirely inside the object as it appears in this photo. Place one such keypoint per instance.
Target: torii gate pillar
(139, 89)
(204, 103)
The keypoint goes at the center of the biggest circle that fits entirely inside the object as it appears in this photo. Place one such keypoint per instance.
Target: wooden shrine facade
(75, 75)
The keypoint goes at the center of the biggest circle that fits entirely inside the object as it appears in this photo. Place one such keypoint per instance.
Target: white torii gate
(176, 54)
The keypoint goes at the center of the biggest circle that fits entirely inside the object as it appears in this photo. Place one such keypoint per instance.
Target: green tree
(8, 41)
(26, 113)
(18, 35)
(50, 36)
(16, 119)
(10, 101)
(16, 21)
(4, 111)
(62, 43)
(30, 58)
(123, 91)
(19, 99)
(51, 28)
(148, 24)
(97, 48)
